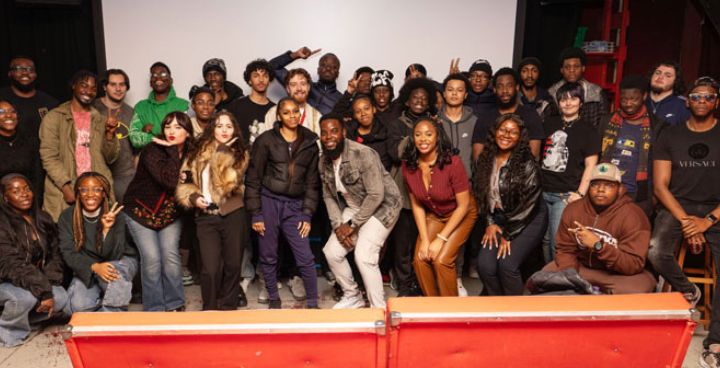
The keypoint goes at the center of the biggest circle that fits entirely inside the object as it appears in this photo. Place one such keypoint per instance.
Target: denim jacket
(366, 181)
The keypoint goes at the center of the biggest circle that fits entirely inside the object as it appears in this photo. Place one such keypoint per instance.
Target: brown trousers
(439, 276)
(614, 283)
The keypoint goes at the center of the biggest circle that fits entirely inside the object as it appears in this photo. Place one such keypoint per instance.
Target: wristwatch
(710, 217)
(598, 246)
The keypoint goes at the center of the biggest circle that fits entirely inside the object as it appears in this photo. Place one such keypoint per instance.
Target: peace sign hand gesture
(584, 236)
(108, 219)
(454, 66)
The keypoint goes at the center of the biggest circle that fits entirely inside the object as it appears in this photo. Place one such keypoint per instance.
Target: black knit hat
(481, 65)
(531, 60)
(215, 64)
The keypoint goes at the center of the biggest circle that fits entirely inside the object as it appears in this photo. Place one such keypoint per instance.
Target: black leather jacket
(519, 207)
(273, 167)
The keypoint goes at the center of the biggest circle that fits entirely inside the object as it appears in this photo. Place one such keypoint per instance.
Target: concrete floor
(45, 348)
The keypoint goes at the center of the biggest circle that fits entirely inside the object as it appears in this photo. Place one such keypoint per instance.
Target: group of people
(484, 167)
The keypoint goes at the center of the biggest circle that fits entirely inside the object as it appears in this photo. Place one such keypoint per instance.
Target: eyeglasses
(160, 75)
(20, 69)
(7, 112)
(95, 190)
(709, 97)
(509, 132)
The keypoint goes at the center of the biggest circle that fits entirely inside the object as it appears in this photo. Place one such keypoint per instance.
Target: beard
(509, 104)
(335, 152)
(113, 99)
(24, 88)
(656, 90)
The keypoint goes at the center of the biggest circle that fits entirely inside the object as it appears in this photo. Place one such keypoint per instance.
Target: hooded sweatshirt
(149, 111)
(461, 134)
(623, 228)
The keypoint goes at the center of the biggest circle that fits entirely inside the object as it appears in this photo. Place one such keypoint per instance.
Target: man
(113, 108)
(215, 75)
(297, 84)
(685, 178)
(74, 139)
(323, 93)
(250, 111)
(457, 119)
(627, 138)
(605, 236)
(363, 218)
(530, 93)
(31, 104)
(506, 84)
(480, 97)
(149, 113)
(666, 93)
(359, 84)
(573, 61)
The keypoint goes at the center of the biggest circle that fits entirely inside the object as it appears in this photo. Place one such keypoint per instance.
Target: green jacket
(149, 111)
(57, 151)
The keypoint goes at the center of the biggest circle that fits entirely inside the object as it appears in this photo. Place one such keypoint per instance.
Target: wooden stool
(705, 276)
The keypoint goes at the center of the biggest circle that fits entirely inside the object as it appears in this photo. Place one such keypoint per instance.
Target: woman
(31, 269)
(282, 193)
(417, 98)
(507, 188)
(21, 147)
(570, 152)
(443, 208)
(153, 216)
(366, 129)
(93, 245)
(212, 183)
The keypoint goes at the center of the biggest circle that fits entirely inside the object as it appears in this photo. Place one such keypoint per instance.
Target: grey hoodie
(461, 134)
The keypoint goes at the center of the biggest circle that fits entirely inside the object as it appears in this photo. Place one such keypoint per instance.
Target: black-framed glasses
(20, 69)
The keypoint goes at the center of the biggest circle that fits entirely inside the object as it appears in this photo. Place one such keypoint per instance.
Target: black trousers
(222, 242)
(402, 241)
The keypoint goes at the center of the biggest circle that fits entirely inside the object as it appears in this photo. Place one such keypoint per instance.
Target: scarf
(613, 130)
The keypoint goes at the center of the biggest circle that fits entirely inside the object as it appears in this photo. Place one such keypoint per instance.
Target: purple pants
(284, 215)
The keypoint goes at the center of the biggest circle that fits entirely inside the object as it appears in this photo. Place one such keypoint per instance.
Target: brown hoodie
(623, 228)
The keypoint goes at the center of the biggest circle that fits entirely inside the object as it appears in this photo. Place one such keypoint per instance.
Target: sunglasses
(709, 97)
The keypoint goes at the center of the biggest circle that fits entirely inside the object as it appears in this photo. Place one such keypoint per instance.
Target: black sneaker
(709, 359)
(242, 299)
(274, 304)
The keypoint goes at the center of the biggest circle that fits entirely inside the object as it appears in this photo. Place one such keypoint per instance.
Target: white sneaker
(297, 288)
(462, 292)
(245, 283)
(350, 302)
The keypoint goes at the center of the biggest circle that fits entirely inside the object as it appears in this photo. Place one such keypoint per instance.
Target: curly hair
(519, 156)
(415, 83)
(679, 85)
(256, 65)
(78, 222)
(208, 137)
(444, 147)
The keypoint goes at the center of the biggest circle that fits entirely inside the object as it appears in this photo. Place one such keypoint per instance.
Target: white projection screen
(382, 34)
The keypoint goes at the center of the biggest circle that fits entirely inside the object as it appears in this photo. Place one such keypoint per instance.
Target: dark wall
(59, 38)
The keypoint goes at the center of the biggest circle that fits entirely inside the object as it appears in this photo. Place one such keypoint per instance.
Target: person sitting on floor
(606, 237)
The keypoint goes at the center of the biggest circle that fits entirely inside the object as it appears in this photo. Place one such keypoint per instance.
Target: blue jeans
(556, 203)
(84, 299)
(160, 266)
(19, 312)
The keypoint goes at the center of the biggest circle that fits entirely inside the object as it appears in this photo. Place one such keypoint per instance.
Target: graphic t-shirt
(564, 152)
(626, 154)
(249, 114)
(82, 142)
(695, 158)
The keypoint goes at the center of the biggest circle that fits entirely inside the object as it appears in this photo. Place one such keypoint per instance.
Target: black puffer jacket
(519, 206)
(273, 168)
(16, 254)
(377, 139)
